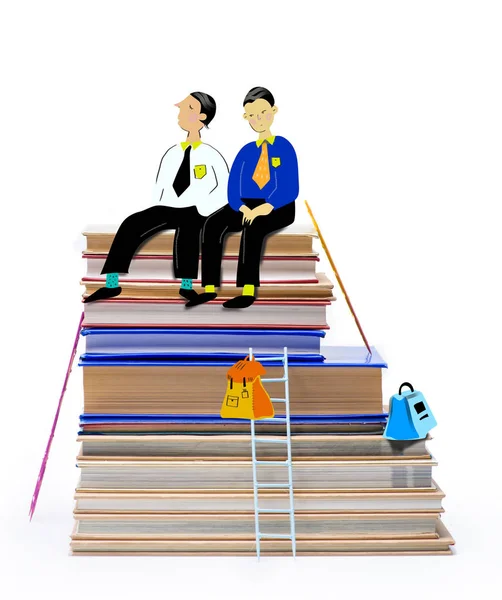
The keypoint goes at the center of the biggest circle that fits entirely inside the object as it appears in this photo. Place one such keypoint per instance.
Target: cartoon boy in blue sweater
(262, 189)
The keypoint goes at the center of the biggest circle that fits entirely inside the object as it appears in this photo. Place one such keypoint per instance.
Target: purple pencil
(54, 424)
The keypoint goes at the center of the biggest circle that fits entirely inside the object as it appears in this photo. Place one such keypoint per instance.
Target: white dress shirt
(208, 179)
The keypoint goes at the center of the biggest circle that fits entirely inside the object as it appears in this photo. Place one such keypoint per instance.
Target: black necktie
(182, 179)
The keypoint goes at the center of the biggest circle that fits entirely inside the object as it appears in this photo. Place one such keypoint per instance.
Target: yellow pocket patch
(200, 171)
(276, 161)
(233, 401)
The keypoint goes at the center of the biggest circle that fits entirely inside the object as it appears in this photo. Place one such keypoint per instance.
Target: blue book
(87, 419)
(149, 343)
(144, 425)
(332, 356)
(186, 358)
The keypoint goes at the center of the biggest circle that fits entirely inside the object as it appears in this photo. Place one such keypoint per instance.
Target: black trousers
(141, 226)
(226, 220)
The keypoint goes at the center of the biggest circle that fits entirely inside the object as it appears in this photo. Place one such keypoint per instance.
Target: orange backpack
(246, 398)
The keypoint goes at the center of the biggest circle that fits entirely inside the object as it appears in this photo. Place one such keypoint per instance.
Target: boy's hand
(246, 214)
(260, 211)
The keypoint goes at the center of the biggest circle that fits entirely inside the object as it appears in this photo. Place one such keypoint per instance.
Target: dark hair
(259, 92)
(207, 106)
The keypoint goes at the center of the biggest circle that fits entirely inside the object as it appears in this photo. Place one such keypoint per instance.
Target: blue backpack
(410, 417)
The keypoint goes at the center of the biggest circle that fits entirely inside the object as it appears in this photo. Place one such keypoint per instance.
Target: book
(187, 358)
(215, 425)
(207, 501)
(225, 474)
(215, 446)
(144, 290)
(153, 387)
(263, 314)
(241, 526)
(439, 544)
(295, 240)
(158, 268)
(167, 341)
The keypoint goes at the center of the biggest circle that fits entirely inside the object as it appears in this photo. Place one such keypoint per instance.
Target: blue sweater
(283, 185)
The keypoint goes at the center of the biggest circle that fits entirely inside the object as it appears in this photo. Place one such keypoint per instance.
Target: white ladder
(286, 463)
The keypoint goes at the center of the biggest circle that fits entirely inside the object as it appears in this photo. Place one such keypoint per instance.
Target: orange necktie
(261, 175)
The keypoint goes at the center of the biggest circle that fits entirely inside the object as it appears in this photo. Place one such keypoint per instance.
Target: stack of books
(162, 473)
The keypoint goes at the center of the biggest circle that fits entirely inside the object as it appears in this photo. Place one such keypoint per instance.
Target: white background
(394, 109)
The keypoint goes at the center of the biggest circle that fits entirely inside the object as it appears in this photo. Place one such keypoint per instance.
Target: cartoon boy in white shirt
(191, 184)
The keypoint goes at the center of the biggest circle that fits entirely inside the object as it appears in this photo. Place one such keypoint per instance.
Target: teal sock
(112, 280)
(186, 284)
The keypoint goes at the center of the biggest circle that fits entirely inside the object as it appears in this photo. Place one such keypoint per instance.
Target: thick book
(158, 268)
(349, 381)
(440, 543)
(263, 314)
(237, 474)
(241, 526)
(322, 289)
(208, 501)
(295, 240)
(216, 446)
(167, 341)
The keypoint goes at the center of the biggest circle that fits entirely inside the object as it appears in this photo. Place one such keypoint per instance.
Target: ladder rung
(273, 485)
(274, 420)
(272, 462)
(271, 441)
(270, 359)
(271, 511)
(280, 536)
(278, 399)
(278, 380)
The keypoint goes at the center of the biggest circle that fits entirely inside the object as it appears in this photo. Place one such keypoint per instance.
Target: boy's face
(260, 115)
(190, 117)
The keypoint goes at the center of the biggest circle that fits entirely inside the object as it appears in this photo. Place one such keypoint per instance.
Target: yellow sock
(248, 290)
(209, 289)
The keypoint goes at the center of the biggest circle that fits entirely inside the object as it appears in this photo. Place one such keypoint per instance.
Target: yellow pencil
(340, 283)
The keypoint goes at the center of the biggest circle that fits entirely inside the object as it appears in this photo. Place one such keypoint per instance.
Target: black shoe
(239, 302)
(188, 294)
(201, 298)
(103, 293)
